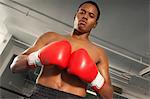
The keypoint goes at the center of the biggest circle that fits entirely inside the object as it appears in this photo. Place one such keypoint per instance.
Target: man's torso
(53, 77)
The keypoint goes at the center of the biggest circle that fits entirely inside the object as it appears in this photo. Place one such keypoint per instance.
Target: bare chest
(91, 50)
(77, 44)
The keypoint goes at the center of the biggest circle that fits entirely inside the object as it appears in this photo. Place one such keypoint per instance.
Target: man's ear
(95, 24)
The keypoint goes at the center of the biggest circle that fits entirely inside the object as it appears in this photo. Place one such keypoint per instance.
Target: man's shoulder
(98, 46)
(47, 37)
(51, 34)
(100, 49)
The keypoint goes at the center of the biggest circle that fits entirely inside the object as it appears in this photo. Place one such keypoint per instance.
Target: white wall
(3, 29)
(4, 35)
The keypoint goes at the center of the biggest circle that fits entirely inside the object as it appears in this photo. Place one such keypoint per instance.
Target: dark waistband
(50, 91)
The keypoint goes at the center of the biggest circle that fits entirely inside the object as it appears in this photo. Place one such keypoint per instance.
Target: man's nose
(85, 16)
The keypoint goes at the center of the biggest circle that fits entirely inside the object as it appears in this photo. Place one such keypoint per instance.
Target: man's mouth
(82, 21)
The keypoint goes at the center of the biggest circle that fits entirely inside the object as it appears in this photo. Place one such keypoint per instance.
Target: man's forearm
(19, 64)
(106, 92)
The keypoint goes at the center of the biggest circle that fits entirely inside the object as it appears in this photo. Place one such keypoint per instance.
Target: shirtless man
(69, 62)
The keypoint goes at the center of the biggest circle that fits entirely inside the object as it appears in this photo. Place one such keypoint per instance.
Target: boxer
(69, 62)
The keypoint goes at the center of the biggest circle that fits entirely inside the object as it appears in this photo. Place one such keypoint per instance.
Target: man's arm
(20, 62)
(106, 91)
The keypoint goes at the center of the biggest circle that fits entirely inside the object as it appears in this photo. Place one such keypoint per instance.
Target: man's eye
(92, 16)
(82, 12)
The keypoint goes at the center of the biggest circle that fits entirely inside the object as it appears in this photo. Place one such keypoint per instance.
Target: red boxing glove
(56, 53)
(81, 65)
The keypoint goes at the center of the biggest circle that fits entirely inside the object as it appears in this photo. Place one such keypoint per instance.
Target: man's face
(85, 18)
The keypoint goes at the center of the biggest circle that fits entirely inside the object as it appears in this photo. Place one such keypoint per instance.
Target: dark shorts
(42, 92)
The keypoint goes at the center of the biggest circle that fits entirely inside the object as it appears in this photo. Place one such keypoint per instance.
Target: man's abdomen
(53, 77)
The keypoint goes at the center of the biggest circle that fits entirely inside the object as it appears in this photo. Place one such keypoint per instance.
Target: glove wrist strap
(98, 81)
(33, 59)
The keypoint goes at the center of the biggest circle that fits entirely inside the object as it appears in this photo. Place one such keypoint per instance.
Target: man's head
(86, 16)
(93, 3)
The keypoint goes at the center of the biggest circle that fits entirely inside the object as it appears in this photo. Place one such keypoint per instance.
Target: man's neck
(78, 35)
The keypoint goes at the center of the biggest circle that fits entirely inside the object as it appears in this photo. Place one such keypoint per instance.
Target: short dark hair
(93, 3)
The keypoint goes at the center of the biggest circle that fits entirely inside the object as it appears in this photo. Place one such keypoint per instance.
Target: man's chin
(81, 29)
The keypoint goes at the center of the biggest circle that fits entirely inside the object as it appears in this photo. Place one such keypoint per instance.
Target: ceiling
(118, 24)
